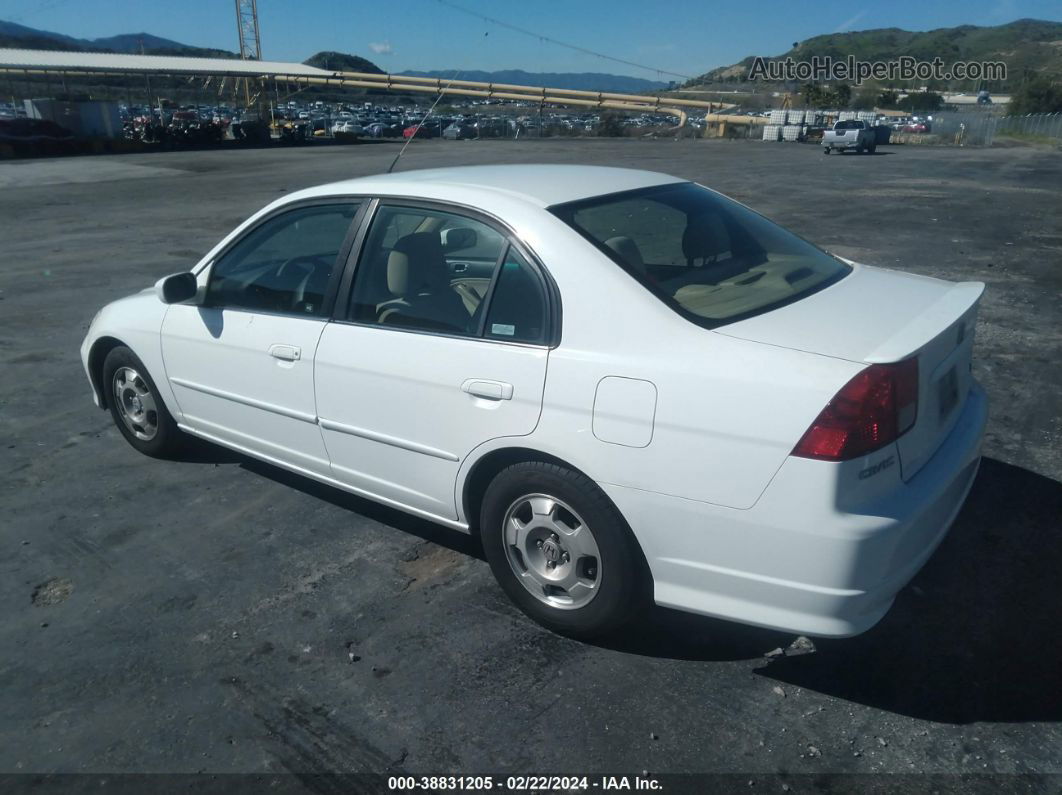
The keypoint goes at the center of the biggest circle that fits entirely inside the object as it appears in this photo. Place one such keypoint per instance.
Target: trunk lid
(879, 316)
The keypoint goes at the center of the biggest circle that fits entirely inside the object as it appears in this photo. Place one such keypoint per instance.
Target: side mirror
(176, 287)
(460, 238)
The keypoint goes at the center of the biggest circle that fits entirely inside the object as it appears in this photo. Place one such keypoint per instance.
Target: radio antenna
(420, 124)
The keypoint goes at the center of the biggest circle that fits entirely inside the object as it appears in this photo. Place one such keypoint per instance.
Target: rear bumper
(804, 558)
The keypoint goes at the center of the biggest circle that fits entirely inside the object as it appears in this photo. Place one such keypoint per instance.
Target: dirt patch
(52, 592)
(429, 565)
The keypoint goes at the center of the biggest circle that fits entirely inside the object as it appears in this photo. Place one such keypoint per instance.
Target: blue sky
(683, 36)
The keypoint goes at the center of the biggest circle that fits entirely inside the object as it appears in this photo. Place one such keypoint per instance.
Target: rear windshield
(848, 125)
(709, 258)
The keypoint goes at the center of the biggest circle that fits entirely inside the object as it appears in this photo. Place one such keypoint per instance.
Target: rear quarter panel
(727, 413)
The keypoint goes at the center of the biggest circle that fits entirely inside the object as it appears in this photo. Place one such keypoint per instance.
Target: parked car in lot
(382, 130)
(459, 132)
(630, 387)
(419, 131)
(346, 128)
(850, 134)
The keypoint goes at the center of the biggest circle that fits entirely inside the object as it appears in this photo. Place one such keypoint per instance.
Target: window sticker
(502, 329)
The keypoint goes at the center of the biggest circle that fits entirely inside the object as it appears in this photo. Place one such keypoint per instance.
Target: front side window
(706, 256)
(426, 270)
(285, 264)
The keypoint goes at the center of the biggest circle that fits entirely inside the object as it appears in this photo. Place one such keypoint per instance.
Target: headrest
(416, 264)
(705, 236)
(627, 250)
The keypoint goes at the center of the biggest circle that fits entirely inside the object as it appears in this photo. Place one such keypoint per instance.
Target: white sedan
(630, 387)
(347, 126)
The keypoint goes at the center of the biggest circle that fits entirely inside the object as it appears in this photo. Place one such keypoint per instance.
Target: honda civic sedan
(629, 387)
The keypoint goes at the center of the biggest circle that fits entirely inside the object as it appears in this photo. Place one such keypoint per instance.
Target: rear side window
(518, 304)
(425, 269)
(430, 270)
(709, 258)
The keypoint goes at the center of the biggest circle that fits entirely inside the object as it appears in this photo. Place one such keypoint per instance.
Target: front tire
(561, 550)
(135, 405)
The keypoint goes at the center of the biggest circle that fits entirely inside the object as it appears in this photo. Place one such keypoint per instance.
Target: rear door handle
(489, 390)
(287, 353)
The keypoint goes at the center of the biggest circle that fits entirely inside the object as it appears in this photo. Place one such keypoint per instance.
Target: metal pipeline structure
(631, 103)
(628, 103)
(554, 96)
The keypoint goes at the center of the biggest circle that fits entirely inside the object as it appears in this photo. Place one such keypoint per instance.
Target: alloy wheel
(135, 403)
(552, 551)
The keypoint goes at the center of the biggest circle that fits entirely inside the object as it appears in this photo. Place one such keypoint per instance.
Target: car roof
(539, 184)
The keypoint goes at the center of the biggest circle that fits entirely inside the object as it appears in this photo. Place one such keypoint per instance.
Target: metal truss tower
(247, 24)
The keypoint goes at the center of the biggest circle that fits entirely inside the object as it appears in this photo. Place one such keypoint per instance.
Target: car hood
(871, 315)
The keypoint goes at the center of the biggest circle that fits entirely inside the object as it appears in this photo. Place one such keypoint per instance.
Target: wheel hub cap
(135, 404)
(552, 551)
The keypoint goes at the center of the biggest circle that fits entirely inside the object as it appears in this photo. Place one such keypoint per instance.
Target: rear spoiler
(938, 316)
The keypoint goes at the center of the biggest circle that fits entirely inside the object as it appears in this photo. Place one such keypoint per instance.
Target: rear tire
(135, 405)
(561, 550)
(826, 151)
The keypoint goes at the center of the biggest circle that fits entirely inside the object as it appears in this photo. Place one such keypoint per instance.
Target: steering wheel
(307, 262)
(308, 265)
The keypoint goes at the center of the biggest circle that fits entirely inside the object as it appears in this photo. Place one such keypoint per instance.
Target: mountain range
(15, 35)
(1026, 45)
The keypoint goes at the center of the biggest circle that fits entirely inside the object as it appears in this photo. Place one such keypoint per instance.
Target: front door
(241, 362)
(442, 346)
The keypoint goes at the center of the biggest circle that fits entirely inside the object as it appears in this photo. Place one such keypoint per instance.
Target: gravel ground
(220, 615)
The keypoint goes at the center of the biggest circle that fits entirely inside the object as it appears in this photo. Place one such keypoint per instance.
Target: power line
(28, 11)
(559, 43)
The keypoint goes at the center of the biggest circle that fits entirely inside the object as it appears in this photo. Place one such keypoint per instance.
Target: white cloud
(381, 47)
(848, 23)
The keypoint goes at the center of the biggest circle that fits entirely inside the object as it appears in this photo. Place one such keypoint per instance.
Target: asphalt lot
(220, 615)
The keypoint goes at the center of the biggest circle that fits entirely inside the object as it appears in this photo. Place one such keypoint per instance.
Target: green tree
(1036, 95)
(888, 99)
(611, 125)
(843, 95)
(865, 99)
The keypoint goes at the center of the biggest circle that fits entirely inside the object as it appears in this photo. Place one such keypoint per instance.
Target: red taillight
(872, 410)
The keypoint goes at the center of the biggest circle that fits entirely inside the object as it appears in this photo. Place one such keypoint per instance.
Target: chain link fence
(982, 129)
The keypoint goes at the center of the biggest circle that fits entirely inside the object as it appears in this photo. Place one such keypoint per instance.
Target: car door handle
(287, 353)
(489, 390)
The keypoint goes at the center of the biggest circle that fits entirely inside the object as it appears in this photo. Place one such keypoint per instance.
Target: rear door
(439, 345)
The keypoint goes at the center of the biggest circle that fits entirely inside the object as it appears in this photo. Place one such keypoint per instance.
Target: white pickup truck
(849, 134)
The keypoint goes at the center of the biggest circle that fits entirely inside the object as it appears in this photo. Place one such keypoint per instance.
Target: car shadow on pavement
(392, 517)
(977, 635)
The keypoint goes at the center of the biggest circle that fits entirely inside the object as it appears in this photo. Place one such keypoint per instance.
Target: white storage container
(772, 132)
